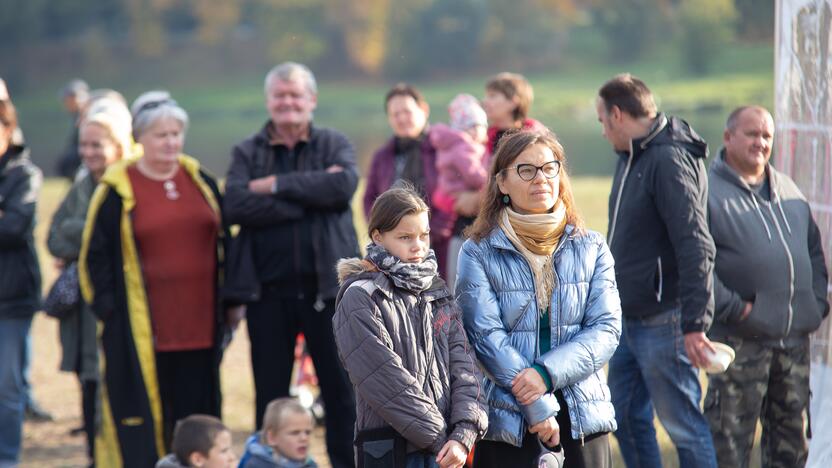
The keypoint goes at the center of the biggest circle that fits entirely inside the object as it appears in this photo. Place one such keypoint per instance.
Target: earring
(506, 199)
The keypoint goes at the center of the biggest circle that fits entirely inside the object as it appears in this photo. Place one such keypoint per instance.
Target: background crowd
(543, 307)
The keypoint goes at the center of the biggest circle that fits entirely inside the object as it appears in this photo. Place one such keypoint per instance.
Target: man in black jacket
(289, 188)
(664, 256)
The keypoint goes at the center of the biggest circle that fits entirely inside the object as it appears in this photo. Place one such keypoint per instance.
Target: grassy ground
(49, 445)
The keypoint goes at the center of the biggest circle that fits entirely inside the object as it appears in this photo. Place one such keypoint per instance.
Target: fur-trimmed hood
(347, 267)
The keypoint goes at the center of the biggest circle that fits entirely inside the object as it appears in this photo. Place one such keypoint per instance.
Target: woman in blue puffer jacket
(541, 308)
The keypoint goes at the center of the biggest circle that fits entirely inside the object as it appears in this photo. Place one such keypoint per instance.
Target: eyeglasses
(528, 172)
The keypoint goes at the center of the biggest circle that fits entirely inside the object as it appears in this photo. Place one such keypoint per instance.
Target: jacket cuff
(697, 325)
(438, 444)
(547, 379)
(465, 434)
(543, 408)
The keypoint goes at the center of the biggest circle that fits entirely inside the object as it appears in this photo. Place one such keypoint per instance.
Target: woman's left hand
(528, 386)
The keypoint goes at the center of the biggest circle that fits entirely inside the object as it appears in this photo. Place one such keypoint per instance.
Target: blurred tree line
(360, 38)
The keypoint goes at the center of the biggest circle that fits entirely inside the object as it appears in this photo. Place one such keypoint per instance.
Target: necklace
(170, 190)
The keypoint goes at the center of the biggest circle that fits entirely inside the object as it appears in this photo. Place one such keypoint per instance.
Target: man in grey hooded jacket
(770, 283)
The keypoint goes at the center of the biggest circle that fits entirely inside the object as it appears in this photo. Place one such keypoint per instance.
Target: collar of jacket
(438, 290)
(720, 168)
(263, 137)
(499, 240)
(638, 145)
(15, 155)
(116, 177)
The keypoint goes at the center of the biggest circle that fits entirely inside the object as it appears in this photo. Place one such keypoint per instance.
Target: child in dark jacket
(200, 441)
(284, 440)
(400, 337)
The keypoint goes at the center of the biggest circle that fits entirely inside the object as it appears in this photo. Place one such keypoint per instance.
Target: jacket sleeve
(463, 159)
(591, 347)
(469, 415)
(820, 276)
(321, 189)
(244, 207)
(18, 210)
(486, 332)
(99, 251)
(681, 192)
(372, 185)
(378, 375)
(67, 228)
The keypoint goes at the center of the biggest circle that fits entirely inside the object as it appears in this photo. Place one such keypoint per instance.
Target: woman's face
(97, 148)
(539, 194)
(406, 117)
(498, 108)
(163, 141)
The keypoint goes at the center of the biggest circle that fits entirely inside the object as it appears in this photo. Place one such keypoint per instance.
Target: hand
(746, 311)
(452, 455)
(695, 344)
(234, 315)
(334, 169)
(59, 263)
(1, 213)
(528, 386)
(262, 185)
(547, 431)
(467, 203)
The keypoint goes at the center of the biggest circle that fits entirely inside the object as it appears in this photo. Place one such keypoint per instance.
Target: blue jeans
(421, 460)
(650, 371)
(13, 333)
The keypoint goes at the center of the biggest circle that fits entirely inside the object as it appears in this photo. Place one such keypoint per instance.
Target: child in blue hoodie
(283, 442)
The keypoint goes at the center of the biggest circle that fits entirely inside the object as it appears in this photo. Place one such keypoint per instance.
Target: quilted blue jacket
(496, 292)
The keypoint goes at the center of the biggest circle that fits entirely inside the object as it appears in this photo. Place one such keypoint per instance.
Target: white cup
(720, 359)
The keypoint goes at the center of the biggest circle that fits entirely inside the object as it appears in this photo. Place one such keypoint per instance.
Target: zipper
(791, 268)
(620, 193)
(661, 279)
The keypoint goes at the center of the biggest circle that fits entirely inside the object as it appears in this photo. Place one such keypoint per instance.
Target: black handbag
(380, 448)
(64, 296)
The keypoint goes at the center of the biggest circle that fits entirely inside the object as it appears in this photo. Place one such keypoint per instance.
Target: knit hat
(466, 112)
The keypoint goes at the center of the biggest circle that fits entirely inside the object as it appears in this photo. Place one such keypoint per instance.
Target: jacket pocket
(807, 317)
(769, 316)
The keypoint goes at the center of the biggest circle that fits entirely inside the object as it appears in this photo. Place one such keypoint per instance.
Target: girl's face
(409, 240)
(97, 149)
(291, 439)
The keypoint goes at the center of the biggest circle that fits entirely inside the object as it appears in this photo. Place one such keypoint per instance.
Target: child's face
(220, 455)
(478, 133)
(292, 438)
(409, 240)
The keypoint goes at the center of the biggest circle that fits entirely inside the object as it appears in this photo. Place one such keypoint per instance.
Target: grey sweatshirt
(768, 253)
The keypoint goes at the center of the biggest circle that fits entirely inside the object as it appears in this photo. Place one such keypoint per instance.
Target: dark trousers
(89, 400)
(594, 452)
(188, 384)
(273, 325)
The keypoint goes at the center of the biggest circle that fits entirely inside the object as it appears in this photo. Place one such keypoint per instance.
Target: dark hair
(629, 94)
(196, 433)
(734, 116)
(403, 89)
(393, 205)
(513, 85)
(8, 116)
(511, 145)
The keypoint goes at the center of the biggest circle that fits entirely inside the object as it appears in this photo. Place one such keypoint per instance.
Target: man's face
(290, 102)
(611, 126)
(748, 145)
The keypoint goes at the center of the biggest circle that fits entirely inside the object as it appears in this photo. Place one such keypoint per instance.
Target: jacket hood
(720, 168)
(672, 130)
(351, 270)
(15, 155)
(169, 461)
(348, 267)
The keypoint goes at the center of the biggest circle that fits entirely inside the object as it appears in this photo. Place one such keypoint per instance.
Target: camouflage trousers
(767, 383)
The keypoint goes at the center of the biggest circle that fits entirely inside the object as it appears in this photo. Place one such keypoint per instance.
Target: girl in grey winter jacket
(401, 339)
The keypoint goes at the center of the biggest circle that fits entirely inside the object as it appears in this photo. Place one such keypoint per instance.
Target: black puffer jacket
(658, 228)
(20, 282)
(310, 192)
(409, 359)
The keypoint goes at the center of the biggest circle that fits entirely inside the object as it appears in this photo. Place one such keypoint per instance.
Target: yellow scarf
(536, 236)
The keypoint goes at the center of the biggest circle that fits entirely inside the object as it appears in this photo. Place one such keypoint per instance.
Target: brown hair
(629, 94)
(196, 433)
(8, 116)
(403, 89)
(508, 149)
(393, 205)
(513, 85)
